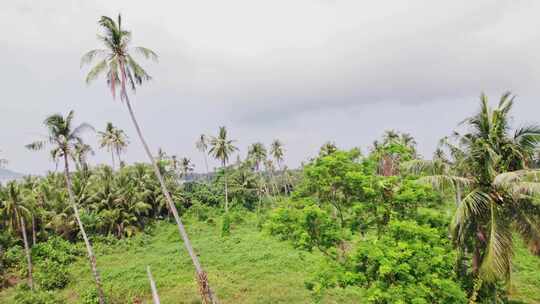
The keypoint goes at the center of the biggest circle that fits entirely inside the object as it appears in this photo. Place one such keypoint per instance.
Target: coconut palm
(221, 148)
(115, 140)
(63, 137)
(277, 151)
(186, 166)
(202, 146)
(257, 153)
(123, 72)
(80, 155)
(499, 189)
(14, 209)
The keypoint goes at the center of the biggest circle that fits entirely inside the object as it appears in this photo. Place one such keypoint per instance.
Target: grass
(246, 267)
(525, 286)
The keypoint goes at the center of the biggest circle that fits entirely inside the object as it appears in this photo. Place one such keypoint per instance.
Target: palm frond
(146, 52)
(97, 70)
(497, 259)
(90, 55)
(473, 204)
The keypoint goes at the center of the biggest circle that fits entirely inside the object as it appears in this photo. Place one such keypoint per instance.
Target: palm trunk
(28, 254)
(206, 292)
(206, 165)
(91, 256)
(155, 295)
(226, 190)
(118, 157)
(112, 158)
(34, 237)
(458, 195)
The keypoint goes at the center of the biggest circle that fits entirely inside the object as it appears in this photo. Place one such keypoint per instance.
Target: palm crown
(115, 59)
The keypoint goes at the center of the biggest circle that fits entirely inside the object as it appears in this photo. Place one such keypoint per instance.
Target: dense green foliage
(384, 227)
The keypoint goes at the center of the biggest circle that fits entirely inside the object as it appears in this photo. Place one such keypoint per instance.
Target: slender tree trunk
(204, 287)
(118, 157)
(34, 237)
(91, 256)
(28, 254)
(112, 157)
(206, 165)
(155, 295)
(226, 190)
(458, 195)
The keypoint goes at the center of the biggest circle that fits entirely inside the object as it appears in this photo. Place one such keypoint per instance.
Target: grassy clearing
(245, 267)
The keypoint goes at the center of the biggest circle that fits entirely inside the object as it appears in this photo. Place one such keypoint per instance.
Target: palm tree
(257, 153)
(64, 137)
(80, 155)
(186, 166)
(114, 139)
(499, 190)
(122, 71)
(221, 148)
(202, 146)
(277, 151)
(16, 211)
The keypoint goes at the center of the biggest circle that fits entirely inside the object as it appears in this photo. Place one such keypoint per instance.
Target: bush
(410, 263)
(51, 275)
(56, 249)
(26, 296)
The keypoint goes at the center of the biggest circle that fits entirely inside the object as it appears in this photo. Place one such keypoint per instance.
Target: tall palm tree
(221, 148)
(202, 146)
(277, 151)
(16, 211)
(257, 153)
(63, 137)
(499, 189)
(115, 140)
(123, 72)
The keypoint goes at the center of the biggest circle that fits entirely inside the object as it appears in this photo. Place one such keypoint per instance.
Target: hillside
(7, 175)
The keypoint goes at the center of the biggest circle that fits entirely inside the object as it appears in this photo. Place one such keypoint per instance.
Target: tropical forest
(380, 223)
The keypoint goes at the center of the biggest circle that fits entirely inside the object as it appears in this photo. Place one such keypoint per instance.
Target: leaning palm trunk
(28, 255)
(91, 256)
(206, 292)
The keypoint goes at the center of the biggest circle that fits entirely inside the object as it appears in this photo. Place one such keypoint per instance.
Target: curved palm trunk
(206, 292)
(91, 256)
(28, 255)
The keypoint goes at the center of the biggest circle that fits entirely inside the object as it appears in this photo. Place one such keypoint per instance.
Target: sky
(303, 71)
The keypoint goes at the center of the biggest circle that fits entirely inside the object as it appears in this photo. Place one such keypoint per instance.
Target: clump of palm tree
(115, 140)
(492, 166)
(123, 72)
(64, 137)
(221, 148)
(14, 210)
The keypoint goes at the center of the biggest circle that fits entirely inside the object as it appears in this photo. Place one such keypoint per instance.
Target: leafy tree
(122, 71)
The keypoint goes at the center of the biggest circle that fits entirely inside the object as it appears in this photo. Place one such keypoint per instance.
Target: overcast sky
(302, 71)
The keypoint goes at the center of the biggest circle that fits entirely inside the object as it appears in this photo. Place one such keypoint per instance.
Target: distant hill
(7, 175)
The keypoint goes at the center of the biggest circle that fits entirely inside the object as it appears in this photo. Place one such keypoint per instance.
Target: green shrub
(51, 275)
(56, 249)
(26, 296)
